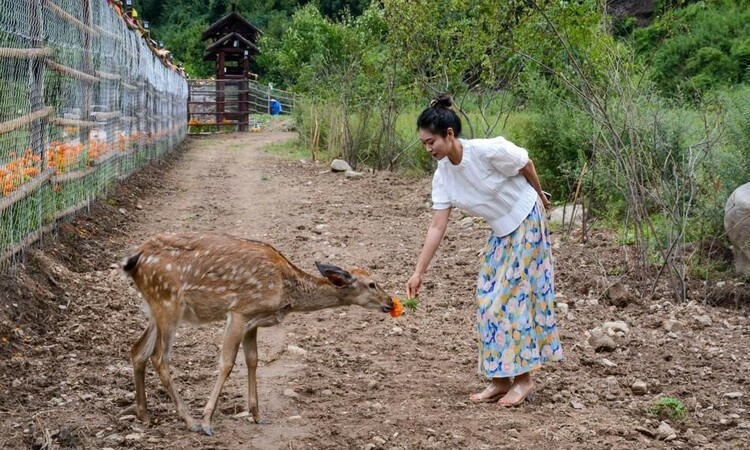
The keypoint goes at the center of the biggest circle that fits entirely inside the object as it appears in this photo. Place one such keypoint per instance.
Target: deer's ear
(336, 275)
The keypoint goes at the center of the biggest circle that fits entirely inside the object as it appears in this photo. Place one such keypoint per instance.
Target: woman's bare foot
(521, 389)
(496, 388)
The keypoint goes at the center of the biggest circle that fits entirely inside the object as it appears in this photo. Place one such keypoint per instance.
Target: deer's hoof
(132, 410)
(262, 421)
(207, 430)
(196, 427)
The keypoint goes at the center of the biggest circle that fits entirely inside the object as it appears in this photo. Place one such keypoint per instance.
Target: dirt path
(348, 378)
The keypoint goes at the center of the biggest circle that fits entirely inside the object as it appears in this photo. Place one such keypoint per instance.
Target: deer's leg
(232, 338)
(140, 352)
(250, 347)
(165, 338)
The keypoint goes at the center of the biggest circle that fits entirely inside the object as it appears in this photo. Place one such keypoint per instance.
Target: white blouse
(486, 183)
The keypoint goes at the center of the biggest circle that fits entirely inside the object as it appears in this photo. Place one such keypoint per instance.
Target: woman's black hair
(440, 116)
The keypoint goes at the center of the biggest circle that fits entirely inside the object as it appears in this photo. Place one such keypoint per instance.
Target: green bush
(697, 48)
(669, 408)
(557, 135)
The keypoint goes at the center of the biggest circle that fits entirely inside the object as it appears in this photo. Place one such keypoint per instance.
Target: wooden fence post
(36, 82)
(88, 68)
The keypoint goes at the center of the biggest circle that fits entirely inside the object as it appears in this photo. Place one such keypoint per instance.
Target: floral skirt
(515, 301)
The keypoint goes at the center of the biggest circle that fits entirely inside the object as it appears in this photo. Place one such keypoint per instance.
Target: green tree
(310, 46)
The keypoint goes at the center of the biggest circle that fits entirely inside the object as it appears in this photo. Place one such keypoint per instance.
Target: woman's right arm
(431, 243)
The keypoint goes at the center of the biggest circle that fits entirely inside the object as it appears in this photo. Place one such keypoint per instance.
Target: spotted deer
(207, 277)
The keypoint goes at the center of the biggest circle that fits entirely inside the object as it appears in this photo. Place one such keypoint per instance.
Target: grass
(411, 303)
(293, 150)
(669, 408)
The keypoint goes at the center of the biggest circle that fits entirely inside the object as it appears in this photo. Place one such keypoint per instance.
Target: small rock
(397, 331)
(294, 418)
(378, 440)
(513, 433)
(672, 325)
(612, 382)
(704, 320)
(665, 432)
(733, 395)
(296, 350)
(326, 392)
(138, 206)
(122, 211)
(290, 393)
(639, 387)
(577, 405)
(616, 326)
(241, 415)
(601, 341)
(607, 363)
(645, 431)
(352, 175)
(699, 439)
(466, 222)
(618, 295)
(563, 308)
(134, 437)
(127, 418)
(339, 165)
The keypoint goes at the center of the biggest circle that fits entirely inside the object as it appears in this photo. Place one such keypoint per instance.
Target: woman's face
(436, 145)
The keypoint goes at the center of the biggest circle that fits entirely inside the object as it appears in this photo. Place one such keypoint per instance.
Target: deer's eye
(372, 285)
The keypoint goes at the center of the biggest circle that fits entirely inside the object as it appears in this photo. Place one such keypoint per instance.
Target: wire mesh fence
(84, 101)
(229, 104)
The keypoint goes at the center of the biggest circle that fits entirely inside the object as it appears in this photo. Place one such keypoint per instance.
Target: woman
(495, 179)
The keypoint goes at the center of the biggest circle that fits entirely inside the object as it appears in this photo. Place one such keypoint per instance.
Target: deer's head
(356, 287)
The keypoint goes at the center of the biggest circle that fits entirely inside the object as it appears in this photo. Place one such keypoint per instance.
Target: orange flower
(398, 309)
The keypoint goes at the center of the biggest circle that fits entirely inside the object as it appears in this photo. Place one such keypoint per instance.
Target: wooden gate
(229, 105)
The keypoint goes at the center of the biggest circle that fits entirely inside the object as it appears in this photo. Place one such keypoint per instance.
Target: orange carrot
(398, 309)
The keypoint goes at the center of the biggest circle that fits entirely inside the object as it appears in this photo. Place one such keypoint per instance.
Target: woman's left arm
(529, 172)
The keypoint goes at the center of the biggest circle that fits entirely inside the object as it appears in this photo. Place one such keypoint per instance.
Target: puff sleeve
(506, 157)
(440, 197)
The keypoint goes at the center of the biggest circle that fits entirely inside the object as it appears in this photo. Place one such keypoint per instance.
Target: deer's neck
(313, 294)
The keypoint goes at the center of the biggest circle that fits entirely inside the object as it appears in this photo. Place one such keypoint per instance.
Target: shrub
(669, 408)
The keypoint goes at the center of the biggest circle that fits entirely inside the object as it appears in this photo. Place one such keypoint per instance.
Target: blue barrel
(275, 107)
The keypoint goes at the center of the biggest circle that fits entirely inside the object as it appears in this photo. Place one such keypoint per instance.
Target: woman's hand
(546, 203)
(414, 284)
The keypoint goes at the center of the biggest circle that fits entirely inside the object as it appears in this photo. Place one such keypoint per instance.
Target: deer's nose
(388, 306)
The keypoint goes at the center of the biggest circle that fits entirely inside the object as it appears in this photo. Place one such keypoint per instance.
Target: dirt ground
(352, 378)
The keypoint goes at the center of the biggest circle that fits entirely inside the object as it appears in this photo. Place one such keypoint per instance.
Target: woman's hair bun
(442, 101)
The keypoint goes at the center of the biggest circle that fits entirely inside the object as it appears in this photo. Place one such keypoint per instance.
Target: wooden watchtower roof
(231, 39)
